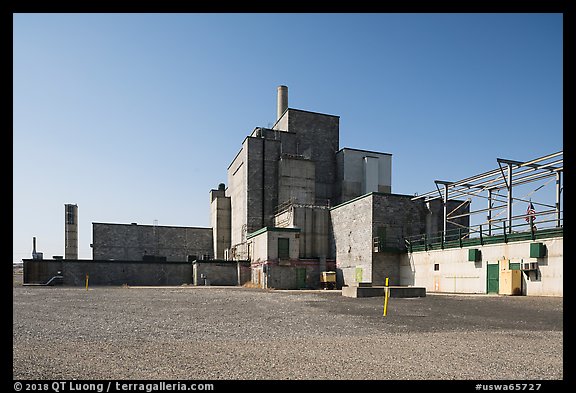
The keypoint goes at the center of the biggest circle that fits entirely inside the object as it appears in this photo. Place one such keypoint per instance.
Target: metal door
(283, 248)
(301, 277)
(492, 277)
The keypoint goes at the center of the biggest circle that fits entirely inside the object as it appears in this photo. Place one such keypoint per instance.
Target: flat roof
(300, 110)
(271, 229)
(148, 225)
(371, 193)
(363, 151)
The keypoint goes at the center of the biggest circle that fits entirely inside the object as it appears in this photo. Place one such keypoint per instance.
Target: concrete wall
(131, 242)
(396, 216)
(237, 191)
(220, 219)
(108, 272)
(456, 274)
(355, 224)
(317, 138)
(352, 228)
(351, 173)
(253, 186)
(386, 265)
(314, 223)
(296, 180)
(218, 272)
(262, 178)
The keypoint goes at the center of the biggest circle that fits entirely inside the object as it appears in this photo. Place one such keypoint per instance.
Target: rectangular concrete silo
(71, 231)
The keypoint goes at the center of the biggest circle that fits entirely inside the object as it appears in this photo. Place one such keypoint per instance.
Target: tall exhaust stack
(36, 254)
(282, 100)
(71, 231)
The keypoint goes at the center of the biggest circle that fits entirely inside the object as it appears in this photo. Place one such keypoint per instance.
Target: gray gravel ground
(239, 333)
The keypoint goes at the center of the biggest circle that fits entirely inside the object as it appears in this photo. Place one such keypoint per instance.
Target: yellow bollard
(86, 281)
(386, 295)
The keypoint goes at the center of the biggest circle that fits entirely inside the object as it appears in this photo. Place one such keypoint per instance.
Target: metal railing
(496, 232)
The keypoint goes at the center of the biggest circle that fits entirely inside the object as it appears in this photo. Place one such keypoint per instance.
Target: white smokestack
(282, 100)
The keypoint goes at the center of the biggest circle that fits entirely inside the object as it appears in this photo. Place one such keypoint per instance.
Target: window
(283, 248)
(436, 266)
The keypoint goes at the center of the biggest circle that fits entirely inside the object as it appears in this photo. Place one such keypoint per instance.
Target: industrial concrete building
(284, 210)
(297, 204)
(280, 209)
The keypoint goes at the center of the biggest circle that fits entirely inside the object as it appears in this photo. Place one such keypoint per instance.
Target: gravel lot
(240, 333)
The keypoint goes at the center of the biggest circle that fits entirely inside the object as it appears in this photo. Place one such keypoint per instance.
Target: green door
(492, 275)
(301, 277)
(283, 248)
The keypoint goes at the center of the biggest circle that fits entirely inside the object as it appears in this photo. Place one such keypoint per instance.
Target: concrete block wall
(386, 264)
(296, 180)
(220, 272)
(352, 228)
(108, 272)
(131, 242)
(399, 216)
(317, 138)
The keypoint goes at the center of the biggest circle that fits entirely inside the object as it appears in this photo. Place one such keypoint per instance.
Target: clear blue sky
(135, 117)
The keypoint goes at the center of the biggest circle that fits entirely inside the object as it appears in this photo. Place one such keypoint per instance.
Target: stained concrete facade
(134, 242)
(314, 224)
(296, 180)
(450, 270)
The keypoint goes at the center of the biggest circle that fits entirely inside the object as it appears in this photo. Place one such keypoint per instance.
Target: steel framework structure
(487, 185)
